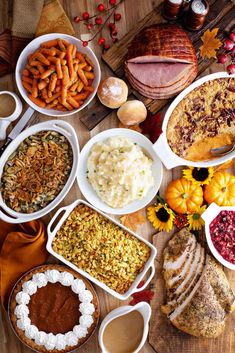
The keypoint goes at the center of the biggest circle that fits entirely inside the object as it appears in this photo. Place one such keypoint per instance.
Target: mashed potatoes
(119, 171)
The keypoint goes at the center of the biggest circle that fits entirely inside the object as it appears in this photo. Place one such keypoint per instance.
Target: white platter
(162, 148)
(88, 191)
(148, 266)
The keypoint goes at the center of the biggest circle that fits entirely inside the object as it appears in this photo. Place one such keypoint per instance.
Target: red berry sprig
(229, 55)
(99, 22)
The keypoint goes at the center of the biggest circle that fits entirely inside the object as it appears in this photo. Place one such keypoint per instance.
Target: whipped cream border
(49, 340)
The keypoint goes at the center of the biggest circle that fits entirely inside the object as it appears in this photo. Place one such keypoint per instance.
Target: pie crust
(12, 305)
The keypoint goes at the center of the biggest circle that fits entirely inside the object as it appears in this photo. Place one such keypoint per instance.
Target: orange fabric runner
(22, 247)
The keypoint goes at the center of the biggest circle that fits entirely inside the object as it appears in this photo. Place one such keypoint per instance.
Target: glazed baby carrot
(51, 51)
(52, 83)
(82, 76)
(47, 73)
(73, 102)
(35, 88)
(69, 60)
(58, 69)
(42, 84)
(37, 101)
(50, 43)
(27, 79)
(27, 86)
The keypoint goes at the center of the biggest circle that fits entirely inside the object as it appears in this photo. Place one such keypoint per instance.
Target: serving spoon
(222, 150)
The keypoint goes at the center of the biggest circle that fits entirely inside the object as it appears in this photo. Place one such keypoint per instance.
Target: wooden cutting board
(164, 337)
(221, 14)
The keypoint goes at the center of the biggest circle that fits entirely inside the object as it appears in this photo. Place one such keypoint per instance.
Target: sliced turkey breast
(180, 297)
(177, 249)
(173, 274)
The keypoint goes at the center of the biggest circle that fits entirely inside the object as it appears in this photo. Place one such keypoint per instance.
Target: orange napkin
(22, 247)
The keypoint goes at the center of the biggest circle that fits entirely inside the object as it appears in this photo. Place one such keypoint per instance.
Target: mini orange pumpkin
(184, 197)
(221, 189)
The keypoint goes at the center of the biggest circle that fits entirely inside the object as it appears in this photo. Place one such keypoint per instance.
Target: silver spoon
(222, 150)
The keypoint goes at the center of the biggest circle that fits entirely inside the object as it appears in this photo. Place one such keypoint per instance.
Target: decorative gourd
(184, 197)
(221, 189)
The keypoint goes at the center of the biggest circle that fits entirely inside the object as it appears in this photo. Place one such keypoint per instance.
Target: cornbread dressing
(203, 120)
(101, 248)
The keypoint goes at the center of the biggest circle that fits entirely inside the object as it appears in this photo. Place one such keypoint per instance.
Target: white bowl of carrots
(56, 75)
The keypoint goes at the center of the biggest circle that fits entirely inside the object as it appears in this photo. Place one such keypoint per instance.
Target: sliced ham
(161, 61)
(160, 74)
(161, 92)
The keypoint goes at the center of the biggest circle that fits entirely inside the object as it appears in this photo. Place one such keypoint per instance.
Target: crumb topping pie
(54, 309)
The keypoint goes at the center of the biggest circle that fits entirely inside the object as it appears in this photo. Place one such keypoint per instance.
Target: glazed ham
(161, 61)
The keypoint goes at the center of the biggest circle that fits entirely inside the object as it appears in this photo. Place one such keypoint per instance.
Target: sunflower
(195, 220)
(161, 217)
(198, 176)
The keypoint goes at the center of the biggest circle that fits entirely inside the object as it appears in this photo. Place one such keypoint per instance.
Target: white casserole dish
(148, 266)
(161, 146)
(32, 47)
(64, 129)
(90, 194)
(209, 215)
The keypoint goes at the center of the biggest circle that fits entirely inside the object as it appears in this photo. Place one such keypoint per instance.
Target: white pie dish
(209, 215)
(161, 146)
(33, 46)
(88, 191)
(133, 288)
(65, 129)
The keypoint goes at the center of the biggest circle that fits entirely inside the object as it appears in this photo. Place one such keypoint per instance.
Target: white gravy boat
(143, 308)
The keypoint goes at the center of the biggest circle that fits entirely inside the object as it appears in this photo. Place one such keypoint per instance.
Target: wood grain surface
(132, 12)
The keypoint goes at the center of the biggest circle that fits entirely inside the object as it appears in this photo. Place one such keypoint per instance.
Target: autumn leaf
(210, 44)
(133, 220)
(145, 295)
(131, 127)
(225, 165)
(152, 126)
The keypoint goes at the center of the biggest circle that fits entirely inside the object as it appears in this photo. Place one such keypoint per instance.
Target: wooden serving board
(163, 336)
(221, 14)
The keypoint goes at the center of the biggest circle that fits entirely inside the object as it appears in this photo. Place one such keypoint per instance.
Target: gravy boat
(143, 308)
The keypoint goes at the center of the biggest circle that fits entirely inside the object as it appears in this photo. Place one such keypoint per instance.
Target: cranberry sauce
(222, 231)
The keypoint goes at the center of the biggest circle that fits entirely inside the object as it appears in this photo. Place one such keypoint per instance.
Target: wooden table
(132, 11)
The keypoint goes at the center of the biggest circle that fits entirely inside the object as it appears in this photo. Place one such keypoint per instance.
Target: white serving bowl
(162, 148)
(53, 227)
(33, 46)
(209, 215)
(88, 191)
(64, 129)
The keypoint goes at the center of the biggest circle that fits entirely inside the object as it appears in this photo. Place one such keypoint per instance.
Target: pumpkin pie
(53, 309)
